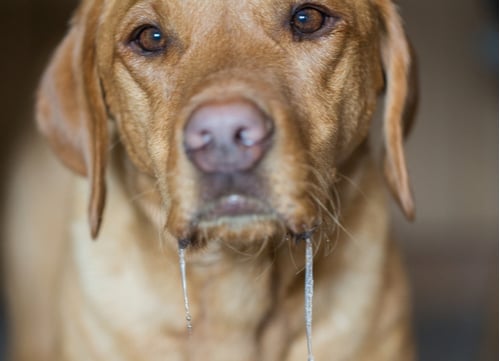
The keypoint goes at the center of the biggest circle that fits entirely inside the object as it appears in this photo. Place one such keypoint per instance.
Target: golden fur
(116, 117)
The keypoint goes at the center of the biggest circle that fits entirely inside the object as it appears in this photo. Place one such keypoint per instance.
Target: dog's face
(240, 111)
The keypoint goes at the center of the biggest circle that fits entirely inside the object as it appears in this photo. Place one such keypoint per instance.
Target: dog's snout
(227, 136)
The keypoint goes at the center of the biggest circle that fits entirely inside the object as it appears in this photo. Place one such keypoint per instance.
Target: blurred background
(452, 248)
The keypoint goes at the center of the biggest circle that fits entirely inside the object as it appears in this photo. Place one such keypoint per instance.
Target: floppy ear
(71, 111)
(400, 102)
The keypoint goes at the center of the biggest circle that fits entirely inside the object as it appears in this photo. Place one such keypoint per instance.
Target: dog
(219, 141)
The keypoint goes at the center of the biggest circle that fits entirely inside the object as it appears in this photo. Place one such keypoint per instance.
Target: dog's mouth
(232, 207)
(236, 219)
(242, 210)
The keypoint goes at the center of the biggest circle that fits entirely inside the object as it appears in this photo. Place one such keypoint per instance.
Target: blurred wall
(452, 247)
(30, 30)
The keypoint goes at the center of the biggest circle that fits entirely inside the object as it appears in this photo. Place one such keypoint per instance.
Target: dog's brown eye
(308, 20)
(150, 39)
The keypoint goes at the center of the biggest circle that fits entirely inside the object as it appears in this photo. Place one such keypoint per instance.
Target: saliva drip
(182, 263)
(308, 297)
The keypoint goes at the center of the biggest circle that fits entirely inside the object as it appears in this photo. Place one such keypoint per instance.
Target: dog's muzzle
(225, 141)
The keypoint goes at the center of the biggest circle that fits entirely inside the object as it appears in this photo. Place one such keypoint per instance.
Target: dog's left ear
(401, 100)
(70, 107)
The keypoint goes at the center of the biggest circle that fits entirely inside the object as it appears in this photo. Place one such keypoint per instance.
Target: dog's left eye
(149, 39)
(308, 20)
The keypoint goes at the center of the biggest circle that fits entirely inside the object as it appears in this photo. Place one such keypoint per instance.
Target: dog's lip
(233, 205)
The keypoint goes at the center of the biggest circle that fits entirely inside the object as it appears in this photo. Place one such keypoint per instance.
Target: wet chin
(240, 231)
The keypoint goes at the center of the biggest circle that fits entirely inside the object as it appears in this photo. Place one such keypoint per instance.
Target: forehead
(218, 11)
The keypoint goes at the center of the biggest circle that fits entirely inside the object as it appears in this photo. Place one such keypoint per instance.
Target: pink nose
(227, 137)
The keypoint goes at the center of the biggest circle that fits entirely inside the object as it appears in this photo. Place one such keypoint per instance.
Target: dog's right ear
(70, 108)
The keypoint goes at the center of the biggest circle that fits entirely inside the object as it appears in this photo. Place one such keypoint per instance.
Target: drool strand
(182, 263)
(308, 295)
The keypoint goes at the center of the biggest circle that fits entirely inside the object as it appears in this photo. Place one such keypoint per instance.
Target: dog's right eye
(149, 39)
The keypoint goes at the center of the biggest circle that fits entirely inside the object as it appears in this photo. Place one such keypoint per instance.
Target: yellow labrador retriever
(220, 147)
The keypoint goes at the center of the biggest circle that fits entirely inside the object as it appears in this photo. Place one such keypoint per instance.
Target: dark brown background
(452, 248)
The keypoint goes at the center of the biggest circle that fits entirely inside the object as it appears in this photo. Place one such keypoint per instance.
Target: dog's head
(240, 112)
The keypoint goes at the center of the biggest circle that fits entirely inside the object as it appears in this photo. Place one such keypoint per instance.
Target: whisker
(237, 251)
(342, 227)
(292, 259)
(113, 145)
(332, 216)
(138, 195)
(273, 260)
(354, 185)
(161, 221)
(262, 248)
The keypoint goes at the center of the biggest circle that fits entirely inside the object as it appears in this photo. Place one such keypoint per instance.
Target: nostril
(205, 138)
(245, 137)
(197, 139)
